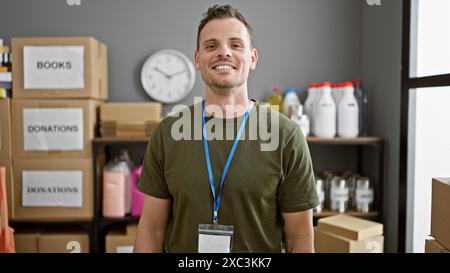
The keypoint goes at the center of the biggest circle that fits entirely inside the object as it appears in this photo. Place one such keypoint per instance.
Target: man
(226, 195)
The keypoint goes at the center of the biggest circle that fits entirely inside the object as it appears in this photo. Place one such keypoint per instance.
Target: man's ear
(197, 65)
(255, 58)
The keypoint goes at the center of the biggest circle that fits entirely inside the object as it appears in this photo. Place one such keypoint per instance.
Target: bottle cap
(323, 84)
(291, 89)
(276, 89)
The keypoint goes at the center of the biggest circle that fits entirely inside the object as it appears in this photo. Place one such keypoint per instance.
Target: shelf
(368, 215)
(120, 139)
(343, 140)
(123, 220)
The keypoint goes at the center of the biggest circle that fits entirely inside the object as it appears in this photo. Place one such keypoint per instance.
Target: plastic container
(117, 188)
(348, 112)
(361, 98)
(276, 100)
(325, 113)
(320, 188)
(301, 120)
(339, 195)
(364, 194)
(291, 102)
(138, 197)
(313, 95)
(114, 183)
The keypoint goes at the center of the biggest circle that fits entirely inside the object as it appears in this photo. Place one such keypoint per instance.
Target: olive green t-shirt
(269, 174)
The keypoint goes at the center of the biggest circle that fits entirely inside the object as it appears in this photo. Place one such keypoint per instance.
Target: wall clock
(168, 76)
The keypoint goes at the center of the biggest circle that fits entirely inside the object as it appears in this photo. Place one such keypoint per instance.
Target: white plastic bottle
(291, 102)
(302, 121)
(313, 95)
(325, 113)
(335, 92)
(348, 112)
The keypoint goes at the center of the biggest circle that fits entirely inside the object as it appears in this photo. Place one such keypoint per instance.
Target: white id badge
(215, 238)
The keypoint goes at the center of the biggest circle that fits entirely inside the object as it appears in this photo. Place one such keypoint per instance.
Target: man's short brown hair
(222, 12)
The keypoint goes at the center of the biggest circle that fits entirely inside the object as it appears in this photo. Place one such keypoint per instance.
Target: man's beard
(222, 87)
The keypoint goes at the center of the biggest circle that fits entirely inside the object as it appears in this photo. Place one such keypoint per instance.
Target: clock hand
(162, 72)
(178, 73)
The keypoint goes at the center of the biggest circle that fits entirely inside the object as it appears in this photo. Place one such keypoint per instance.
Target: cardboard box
(433, 246)
(26, 242)
(325, 242)
(64, 243)
(440, 210)
(5, 129)
(53, 190)
(150, 111)
(53, 128)
(8, 167)
(51, 242)
(64, 67)
(350, 227)
(121, 242)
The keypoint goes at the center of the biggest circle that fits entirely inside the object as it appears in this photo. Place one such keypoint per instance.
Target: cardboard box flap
(326, 242)
(150, 111)
(433, 246)
(440, 206)
(350, 227)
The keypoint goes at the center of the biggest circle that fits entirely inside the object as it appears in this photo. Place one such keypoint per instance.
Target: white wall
(429, 156)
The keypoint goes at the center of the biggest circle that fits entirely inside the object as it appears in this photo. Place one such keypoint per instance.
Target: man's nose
(224, 51)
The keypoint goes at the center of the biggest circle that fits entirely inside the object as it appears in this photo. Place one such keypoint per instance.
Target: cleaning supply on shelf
(138, 197)
(291, 102)
(325, 113)
(348, 112)
(312, 96)
(301, 120)
(276, 100)
(117, 191)
(361, 97)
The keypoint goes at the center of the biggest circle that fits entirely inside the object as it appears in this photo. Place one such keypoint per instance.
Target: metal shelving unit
(373, 142)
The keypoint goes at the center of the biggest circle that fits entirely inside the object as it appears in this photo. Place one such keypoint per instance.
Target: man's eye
(236, 45)
(210, 46)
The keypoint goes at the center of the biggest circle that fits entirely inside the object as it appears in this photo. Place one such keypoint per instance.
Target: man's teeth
(223, 67)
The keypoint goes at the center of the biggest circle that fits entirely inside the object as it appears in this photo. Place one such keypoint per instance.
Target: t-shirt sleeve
(152, 181)
(297, 191)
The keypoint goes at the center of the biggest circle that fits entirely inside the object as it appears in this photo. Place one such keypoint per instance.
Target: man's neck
(230, 105)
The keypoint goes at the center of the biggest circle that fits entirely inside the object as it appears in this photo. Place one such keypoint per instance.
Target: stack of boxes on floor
(5, 114)
(121, 242)
(58, 86)
(440, 217)
(347, 234)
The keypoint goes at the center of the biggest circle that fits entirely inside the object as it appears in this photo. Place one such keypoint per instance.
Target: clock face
(168, 76)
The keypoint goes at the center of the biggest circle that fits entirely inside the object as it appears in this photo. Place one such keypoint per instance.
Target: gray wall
(381, 72)
(298, 42)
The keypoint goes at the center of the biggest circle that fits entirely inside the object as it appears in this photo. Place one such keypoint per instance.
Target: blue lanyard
(227, 165)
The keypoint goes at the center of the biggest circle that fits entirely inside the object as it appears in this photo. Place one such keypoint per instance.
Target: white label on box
(53, 67)
(53, 129)
(124, 249)
(52, 189)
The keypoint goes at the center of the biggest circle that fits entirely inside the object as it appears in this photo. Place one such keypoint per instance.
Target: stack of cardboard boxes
(128, 120)
(121, 242)
(5, 146)
(58, 86)
(440, 217)
(44, 242)
(347, 234)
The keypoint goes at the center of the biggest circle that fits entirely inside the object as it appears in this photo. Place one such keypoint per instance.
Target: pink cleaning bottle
(138, 197)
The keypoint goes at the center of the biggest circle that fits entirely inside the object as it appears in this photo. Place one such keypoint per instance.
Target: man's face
(225, 55)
